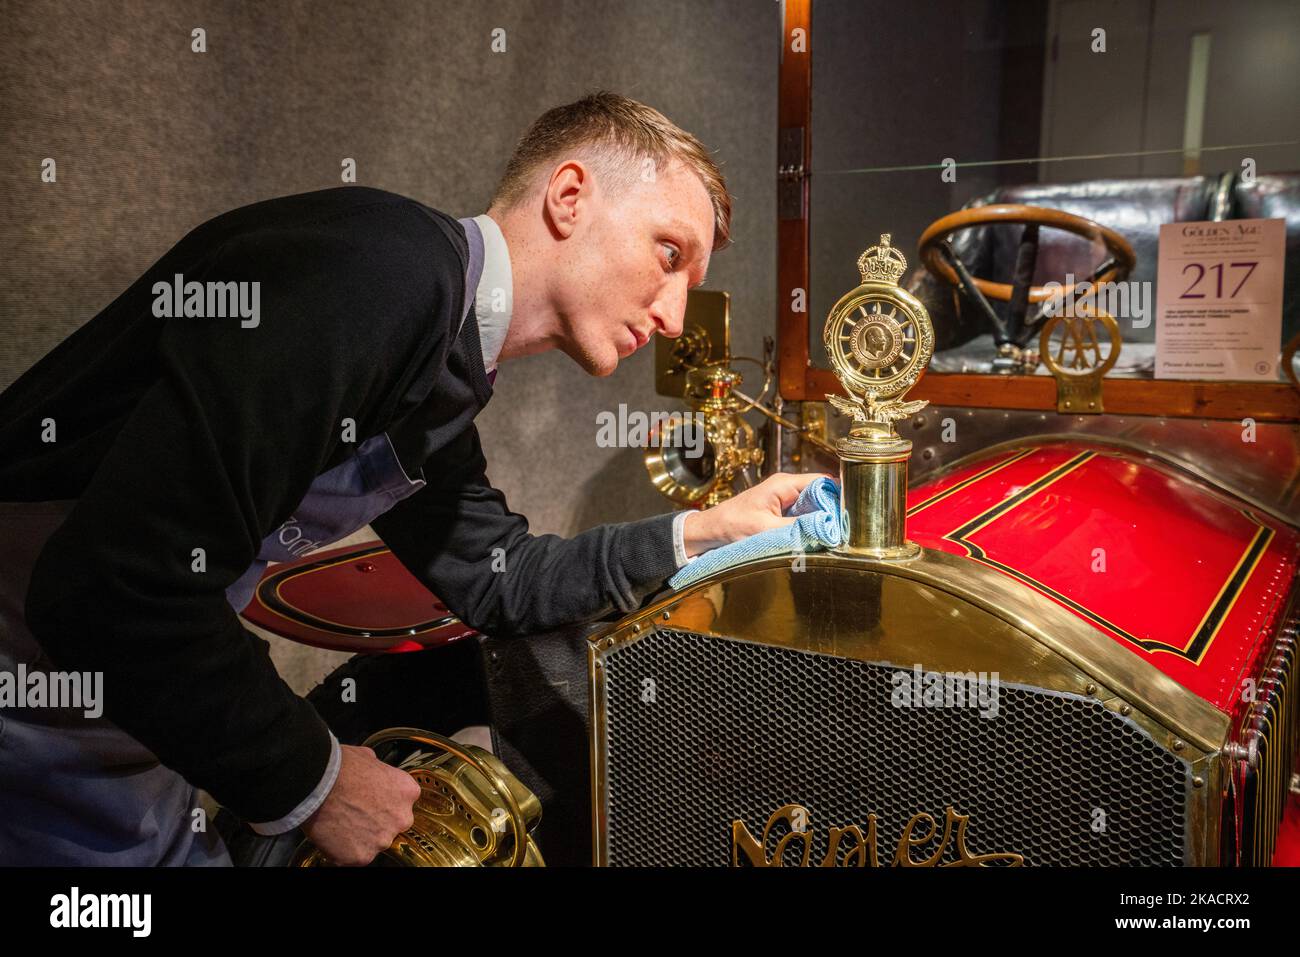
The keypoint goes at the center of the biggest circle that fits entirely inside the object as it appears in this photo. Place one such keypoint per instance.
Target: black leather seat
(1277, 196)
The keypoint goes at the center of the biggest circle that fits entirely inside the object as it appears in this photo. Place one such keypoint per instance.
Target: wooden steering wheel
(1118, 265)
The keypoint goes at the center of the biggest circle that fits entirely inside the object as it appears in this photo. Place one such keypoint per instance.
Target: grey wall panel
(151, 138)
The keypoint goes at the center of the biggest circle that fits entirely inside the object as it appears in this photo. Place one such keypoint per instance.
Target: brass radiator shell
(938, 611)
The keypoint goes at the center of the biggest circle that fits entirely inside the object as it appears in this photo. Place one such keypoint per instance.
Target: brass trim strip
(597, 739)
(988, 516)
(921, 506)
(1224, 602)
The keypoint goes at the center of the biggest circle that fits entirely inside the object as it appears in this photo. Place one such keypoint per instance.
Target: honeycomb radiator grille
(701, 731)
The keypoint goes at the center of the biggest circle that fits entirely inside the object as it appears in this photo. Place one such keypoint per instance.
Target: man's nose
(670, 312)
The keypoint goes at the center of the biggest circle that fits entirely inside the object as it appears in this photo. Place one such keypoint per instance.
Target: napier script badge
(879, 339)
(850, 847)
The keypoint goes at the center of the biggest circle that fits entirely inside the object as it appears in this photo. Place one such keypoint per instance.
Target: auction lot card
(1219, 299)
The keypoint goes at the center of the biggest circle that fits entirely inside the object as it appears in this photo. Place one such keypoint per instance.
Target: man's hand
(370, 804)
(752, 511)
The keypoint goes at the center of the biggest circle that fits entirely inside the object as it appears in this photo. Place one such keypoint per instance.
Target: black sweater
(186, 433)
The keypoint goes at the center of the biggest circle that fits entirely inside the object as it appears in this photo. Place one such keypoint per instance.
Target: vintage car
(1073, 646)
(1058, 626)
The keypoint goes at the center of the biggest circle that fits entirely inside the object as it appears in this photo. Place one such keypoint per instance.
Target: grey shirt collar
(494, 295)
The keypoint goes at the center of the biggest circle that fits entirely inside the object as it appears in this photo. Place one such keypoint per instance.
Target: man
(154, 461)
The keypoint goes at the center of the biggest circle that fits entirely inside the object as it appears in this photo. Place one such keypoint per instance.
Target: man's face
(625, 270)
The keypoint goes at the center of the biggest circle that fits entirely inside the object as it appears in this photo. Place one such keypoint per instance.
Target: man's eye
(672, 253)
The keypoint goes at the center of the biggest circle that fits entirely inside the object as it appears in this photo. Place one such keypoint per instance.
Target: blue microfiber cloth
(816, 527)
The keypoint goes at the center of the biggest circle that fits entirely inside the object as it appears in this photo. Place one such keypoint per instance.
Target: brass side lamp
(697, 367)
(472, 812)
(880, 340)
(724, 449)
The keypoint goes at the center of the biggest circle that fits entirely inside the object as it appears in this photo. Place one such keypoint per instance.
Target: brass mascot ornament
(880, 340)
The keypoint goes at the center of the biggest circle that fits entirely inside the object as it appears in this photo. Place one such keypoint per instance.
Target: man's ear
(567, 191)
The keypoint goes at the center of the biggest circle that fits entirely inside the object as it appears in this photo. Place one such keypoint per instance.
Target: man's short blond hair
(616, 134)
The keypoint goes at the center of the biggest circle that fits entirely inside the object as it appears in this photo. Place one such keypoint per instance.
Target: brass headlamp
(695, 459)
(472, 812)
(701, 468)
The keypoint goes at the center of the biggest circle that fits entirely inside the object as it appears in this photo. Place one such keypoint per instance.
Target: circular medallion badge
(876, 341)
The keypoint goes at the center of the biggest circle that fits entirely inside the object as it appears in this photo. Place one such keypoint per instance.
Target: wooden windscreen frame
(799, 380)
